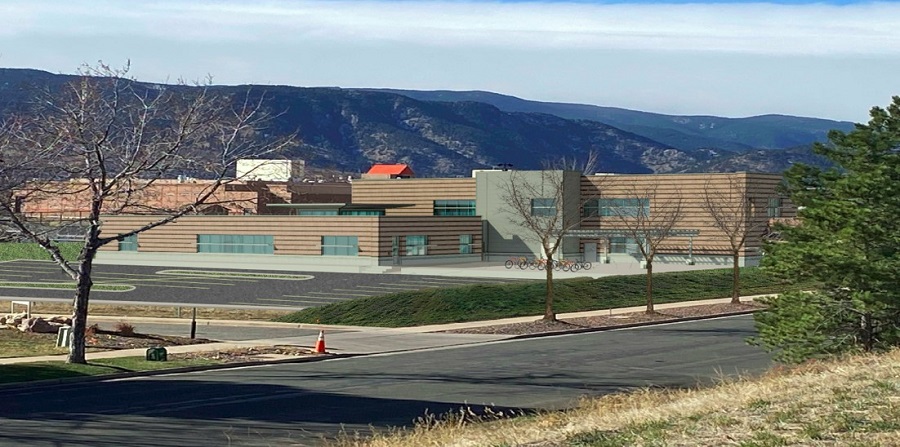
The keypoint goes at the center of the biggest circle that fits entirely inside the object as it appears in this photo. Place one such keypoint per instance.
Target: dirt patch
(102, 340)
(611, 321)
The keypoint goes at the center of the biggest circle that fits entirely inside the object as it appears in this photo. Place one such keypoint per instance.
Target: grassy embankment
(854, 402)
(491, 301)
(10, 251)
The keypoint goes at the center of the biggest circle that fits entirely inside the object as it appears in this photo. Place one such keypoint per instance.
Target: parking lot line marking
(438, 283)
(341, 293)
(399, 286)
(138, 284)
(5, 275)
(318, 298)
(308, 300)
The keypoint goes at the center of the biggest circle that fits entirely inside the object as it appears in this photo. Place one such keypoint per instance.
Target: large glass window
(301, 212)
(774, 207)
(362, 213)
(543, 207)
(617, 207)
(623, 245)
(454, 207)
(465, 244)
(235, 243)
(129, 243)
(340, 245)
(416, 245)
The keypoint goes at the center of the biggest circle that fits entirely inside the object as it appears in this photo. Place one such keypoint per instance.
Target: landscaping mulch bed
(245, 355)
(102, 340)
(610, 321)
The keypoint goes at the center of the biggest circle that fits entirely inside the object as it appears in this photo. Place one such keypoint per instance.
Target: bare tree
(731, 211)
(538, 203)
(647, 218)
(117, 138)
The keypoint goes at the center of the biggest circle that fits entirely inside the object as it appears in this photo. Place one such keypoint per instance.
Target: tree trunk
(549, 314)
(868, 335)
(80, 314)
(736, 280)
(650, 287)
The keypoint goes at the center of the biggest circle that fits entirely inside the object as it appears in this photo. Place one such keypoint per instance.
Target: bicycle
(516, 261)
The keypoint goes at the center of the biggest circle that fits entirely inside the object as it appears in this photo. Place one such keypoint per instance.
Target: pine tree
(848, 240)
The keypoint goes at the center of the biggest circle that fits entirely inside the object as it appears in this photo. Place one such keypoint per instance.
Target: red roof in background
(399, 169)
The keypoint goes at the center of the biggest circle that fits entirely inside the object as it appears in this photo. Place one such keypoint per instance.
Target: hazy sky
(830, 59)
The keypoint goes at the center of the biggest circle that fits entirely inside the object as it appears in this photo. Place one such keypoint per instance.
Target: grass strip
(174, 311)
(66, 286)
(493, 301)
(11, 251)
(27, 372)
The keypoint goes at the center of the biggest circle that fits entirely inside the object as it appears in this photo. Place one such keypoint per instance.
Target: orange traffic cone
(320, 343)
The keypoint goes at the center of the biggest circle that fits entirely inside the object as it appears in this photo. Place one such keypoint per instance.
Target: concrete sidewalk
(356, 340)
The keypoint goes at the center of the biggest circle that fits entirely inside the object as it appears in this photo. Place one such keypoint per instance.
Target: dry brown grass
(850, 402)
(131, 311)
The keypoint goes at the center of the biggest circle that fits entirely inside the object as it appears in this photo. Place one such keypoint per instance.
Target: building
(70, 200)
(413, 221)
(269, 170)
(388, 171)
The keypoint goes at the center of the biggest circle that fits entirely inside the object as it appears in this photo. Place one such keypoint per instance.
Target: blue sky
(830, 59)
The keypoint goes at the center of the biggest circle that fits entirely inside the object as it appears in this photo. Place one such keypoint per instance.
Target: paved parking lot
(159, 284)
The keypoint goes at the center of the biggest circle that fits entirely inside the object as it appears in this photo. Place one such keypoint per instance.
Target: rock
(39, 326)
(62, 320)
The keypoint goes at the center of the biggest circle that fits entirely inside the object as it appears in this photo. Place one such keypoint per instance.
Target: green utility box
(156, 354)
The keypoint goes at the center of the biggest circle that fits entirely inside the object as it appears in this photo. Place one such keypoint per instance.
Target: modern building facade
(407, 221)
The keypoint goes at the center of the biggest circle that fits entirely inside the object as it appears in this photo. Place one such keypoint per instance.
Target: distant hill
(683, 132)
(347, 130)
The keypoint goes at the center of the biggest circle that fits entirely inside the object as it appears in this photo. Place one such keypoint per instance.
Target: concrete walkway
(355, 340)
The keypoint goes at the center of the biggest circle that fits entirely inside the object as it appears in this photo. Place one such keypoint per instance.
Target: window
(316, 212)
(543, 207)
(415, 245)
(454, 207)
(617, 207)
(623, 245)
(465, 244)
(774, 208)
(340, 246)
(362, 213)
(235, 243)
(129, 243)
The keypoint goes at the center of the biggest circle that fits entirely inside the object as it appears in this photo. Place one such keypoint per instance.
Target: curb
(630, 325)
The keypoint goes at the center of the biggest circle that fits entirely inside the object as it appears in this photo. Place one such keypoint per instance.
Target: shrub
(124, 329)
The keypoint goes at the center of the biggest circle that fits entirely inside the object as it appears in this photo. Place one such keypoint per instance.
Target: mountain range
(446, 133)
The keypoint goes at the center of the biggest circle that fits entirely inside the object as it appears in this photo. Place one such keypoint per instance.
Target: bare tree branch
(104, 140)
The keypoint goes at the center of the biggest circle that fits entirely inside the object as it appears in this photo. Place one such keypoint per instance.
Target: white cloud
(756, 28)
(724, 59)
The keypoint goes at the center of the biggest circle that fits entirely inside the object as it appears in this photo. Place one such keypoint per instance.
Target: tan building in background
(393, 221)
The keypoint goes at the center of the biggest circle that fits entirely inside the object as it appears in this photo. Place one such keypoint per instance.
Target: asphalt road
(295, 404)
(159, 284)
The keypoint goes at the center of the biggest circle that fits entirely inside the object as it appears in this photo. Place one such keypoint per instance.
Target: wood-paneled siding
(418, 192)
(301, 235)
(757, 188)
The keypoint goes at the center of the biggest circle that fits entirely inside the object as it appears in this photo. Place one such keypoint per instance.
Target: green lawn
(14, 343)
(484, 302)
(10, 251)
(26, 372)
